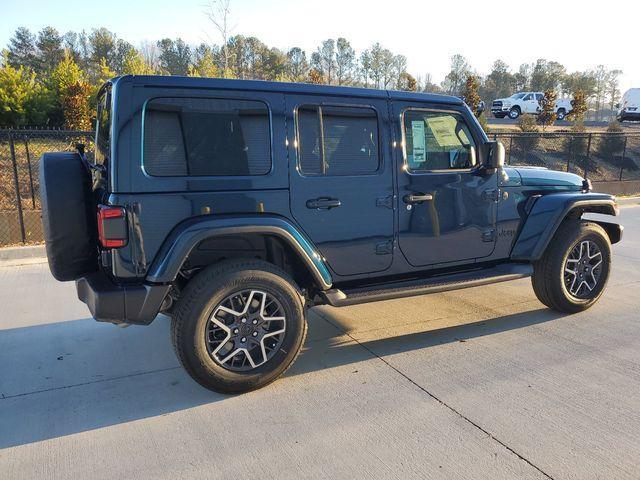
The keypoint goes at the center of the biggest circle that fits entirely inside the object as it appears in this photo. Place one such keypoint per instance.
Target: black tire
(514, 113)
(200, 299)
(549, 278)
(69, 223)
(561, 114)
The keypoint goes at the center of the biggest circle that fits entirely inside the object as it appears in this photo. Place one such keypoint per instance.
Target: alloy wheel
(245, 330)
(583, 269)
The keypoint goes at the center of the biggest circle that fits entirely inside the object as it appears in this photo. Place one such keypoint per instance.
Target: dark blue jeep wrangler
(233, 206)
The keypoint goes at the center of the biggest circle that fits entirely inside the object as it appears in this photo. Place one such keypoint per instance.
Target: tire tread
(544, 280)
(196, 288)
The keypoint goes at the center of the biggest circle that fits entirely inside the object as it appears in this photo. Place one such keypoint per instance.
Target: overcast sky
(578, 34)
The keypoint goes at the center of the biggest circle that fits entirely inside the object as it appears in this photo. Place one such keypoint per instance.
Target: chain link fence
(20, 152)
(602, 157)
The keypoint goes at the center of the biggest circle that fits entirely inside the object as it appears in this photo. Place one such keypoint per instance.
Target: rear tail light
(112, 226)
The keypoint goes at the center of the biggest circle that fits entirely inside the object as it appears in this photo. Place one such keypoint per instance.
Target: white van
(629, 106)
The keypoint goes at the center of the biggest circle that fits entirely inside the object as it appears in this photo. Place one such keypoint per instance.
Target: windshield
(516, 96)
(103, 126)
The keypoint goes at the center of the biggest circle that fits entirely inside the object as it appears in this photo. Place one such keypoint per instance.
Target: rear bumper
(109, 302)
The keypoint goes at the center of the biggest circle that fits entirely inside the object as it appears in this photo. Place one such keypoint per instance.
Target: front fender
(188, 234)
(547, 214)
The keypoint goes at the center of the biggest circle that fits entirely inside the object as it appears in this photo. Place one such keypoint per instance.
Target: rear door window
(206, 137)
(337, 140)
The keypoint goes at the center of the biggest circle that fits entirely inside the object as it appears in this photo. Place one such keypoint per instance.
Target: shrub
(75, 106)
(548, 103)
(578, 107)
(528, 141)
(23, 101)
(576, 147)
(470, 94)
(612, 143)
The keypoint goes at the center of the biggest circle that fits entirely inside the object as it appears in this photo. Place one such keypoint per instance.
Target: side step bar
(435, 284)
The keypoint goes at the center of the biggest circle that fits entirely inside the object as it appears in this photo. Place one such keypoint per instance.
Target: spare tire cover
(68, 216)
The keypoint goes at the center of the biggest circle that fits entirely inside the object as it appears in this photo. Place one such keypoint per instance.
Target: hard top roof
(282, 87)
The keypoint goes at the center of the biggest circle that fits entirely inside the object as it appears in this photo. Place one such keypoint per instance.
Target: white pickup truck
(527, 102)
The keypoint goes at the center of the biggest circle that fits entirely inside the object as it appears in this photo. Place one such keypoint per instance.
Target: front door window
(437, 141)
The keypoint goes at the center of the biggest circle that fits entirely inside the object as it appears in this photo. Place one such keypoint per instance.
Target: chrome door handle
(417, 197)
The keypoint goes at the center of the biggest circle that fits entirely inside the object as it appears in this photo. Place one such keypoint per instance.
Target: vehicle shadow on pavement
(349, 349)
(84, 375)
(69, 377)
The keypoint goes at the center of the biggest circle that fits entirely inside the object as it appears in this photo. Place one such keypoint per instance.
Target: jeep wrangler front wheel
(238, 325)
(573, 272)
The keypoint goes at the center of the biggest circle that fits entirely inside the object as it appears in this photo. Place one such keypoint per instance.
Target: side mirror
(493, 155)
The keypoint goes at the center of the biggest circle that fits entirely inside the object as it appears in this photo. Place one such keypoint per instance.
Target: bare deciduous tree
(151, 54)
(454, 80)
(219, 14)
(613, 88)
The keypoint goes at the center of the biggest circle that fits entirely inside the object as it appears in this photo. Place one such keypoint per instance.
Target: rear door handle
(323, 203)
(417, 197)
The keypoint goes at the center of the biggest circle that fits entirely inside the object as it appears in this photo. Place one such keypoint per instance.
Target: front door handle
(417, 197)
(323, 203)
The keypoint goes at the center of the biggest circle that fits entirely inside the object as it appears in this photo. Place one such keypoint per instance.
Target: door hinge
(385, 202)
(489, 235)
(384, 248)
(491, 194)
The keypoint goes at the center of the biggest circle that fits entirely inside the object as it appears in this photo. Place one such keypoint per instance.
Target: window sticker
(443, 130)
(417, 134)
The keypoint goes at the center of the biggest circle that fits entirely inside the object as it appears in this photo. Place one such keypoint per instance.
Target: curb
(626, 201)
(22, 253)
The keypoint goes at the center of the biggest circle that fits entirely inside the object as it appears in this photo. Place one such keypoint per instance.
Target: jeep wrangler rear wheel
(573, 272)
(238, 325)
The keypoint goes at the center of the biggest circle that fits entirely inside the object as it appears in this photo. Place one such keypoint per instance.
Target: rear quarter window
(103, 126)
(206, 137)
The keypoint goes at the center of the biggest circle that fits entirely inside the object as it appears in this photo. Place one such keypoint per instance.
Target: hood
(542, 177)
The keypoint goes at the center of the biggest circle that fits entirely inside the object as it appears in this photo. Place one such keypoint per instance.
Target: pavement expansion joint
(441, 402)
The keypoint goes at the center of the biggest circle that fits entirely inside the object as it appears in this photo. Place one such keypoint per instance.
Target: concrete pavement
(480, 383)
